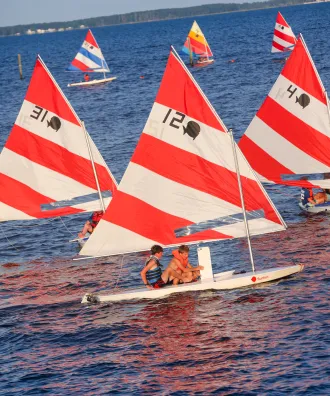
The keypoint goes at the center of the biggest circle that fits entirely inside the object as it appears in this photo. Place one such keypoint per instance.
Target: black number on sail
(291, 92)
(173, 120)
(54, 122)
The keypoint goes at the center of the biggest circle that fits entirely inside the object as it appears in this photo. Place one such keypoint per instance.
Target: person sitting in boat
(91, 223)
(180, 263)
(152, 275)
(202, 59)
(308, 197)
(86, 77)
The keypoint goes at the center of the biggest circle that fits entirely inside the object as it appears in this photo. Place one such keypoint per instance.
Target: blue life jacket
(154, 274)
(304, 195)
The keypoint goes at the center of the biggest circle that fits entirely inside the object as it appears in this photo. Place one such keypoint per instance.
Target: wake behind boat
(90, 59)
(197, 48)
(183, 185)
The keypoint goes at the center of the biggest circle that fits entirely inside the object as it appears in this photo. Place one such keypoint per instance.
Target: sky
(22, 12)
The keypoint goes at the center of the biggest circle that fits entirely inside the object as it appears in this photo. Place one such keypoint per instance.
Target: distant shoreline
(146, 16)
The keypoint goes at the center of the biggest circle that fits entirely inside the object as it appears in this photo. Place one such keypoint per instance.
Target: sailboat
(50, 166)
(90, 59)
(288, 140)
(197, 47)
(185, 184)
(284, 38)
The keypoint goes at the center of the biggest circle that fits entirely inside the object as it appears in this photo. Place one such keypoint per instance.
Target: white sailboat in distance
(185, 184)
(90, 59)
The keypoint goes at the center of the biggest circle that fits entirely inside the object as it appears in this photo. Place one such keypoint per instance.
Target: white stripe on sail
(174, 198)
(315, 114)
(256, 227)
(8, 212)
(286, 30)
(213, 145)
(122, 241)
(276, 50)
(70, 136)
(126, 241)
(41, 179)
(87, 62)
(282, 150)
(93, 50)
(282, 42)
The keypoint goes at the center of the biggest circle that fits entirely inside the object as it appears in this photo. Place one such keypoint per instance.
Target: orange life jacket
(183, 261)
(96, 217)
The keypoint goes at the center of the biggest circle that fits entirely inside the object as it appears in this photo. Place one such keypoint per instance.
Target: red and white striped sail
(290, 134)
(284, 39)
(46, 159)
(182, 175)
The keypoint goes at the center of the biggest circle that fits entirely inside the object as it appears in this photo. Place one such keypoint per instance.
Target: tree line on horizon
(149, 16)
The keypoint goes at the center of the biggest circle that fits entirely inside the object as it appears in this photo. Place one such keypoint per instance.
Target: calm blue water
(272, 339)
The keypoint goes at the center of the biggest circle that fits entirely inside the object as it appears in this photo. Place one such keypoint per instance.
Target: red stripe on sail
(81, 66)
(289, 39)
(57, 158)
(90, 39)
(301, 135)
(199, 48)
(21, 197)
(300, 71)
(187, 98)
(136, 215)
(280, 19)
(198, 173)
(266, 165)
(279, 46)
(43, 92)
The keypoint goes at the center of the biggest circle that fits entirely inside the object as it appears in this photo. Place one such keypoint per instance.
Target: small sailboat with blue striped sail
(197, 47)
(90, 59)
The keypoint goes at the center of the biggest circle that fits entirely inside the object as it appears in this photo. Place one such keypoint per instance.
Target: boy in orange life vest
(152, 275)
(91, 223)
(181, 265)
(86, 77)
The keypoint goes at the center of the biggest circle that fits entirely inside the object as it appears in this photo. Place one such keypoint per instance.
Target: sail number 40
(174, 119)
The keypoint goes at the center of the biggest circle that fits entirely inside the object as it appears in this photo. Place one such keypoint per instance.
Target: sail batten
(284, 38)
(89, 57)
(290, 133)
(181, 173)
(46, 158)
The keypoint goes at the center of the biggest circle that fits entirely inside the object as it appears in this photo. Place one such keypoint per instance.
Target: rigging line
(66, 226)
(119, 274)
(9, 241)
(34, 225)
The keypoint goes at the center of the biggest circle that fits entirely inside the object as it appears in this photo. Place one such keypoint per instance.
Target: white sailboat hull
(221, 281)
(92, 82)
(315, 208)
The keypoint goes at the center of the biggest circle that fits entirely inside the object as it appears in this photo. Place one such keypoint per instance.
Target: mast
(230, 131)
(190, 53)
(206, 51)
(93, 165)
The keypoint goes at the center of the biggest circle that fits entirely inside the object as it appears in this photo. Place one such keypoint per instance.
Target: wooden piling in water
(20, 67)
